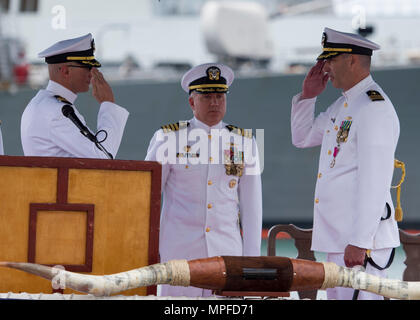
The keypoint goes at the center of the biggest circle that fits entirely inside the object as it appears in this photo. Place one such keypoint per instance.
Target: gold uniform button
(211, 159)
(210, 182)
(346, 105)
(186, 167)
(329, 152)
(208, 230)
(209, 136)
(316, 200)
(210, 206)
(336, 128)
(320, 175)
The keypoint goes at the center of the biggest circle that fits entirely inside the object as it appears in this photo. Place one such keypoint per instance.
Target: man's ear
(191, 102)
(355, 61)
(64, 71)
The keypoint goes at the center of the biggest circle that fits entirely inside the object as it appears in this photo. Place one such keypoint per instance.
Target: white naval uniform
(45, 131)
(352, 196)
(201, 205)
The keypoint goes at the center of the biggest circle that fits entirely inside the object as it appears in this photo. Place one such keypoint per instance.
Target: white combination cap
(80, 50)
(208, 78)
(336, 42)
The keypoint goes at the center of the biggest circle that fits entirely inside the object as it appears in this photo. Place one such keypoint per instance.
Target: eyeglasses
(83, 67)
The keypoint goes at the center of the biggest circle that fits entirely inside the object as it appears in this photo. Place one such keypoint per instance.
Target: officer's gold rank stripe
(327, 55)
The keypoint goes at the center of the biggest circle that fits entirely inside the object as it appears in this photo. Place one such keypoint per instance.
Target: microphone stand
(94, 139)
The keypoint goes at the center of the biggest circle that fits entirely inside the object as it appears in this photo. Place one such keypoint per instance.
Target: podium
(86, 215)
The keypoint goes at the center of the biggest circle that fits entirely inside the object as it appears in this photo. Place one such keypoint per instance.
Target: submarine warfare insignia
(342, 136)
(234, 161)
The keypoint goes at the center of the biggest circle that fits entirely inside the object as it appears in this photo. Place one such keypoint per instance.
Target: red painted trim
(78, 163)
(62, 185)
(155, 203)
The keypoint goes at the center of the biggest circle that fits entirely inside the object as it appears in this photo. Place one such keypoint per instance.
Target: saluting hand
(101, 90)
(315, 81)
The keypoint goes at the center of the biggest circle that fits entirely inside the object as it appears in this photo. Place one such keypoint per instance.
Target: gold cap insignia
(323, 39)
(213, 73)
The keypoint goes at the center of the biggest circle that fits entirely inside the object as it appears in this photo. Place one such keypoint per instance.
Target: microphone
(68, 112)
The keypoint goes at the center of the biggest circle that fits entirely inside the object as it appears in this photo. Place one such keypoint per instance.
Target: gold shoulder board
(174, 126)
(247, 133)
(61, 99)
(375, 95)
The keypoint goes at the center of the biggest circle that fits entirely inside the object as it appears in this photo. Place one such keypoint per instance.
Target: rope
(180, 272)
(398, 210)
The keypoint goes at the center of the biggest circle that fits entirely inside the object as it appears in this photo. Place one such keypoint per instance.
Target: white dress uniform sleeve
(306, 130)
(250, 206)
(377, 137)
(111, 118)
(151, 155)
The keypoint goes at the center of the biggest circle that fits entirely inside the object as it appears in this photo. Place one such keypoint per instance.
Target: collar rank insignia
(61, 99)
(375, 95)
(247, 133)
(174, 126)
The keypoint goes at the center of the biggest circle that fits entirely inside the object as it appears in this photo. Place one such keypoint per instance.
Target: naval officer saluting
(354, 219)
(47, 128)
(210, 194)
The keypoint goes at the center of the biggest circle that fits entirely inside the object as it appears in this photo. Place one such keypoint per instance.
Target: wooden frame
(88, 208)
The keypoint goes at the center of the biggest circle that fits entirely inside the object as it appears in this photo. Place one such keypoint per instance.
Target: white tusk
(336, 276)
(175, 272)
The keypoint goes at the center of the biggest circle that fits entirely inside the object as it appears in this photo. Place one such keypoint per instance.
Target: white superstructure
(151, 33)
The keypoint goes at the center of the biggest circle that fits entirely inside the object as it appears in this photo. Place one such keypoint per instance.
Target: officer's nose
(213, 100)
